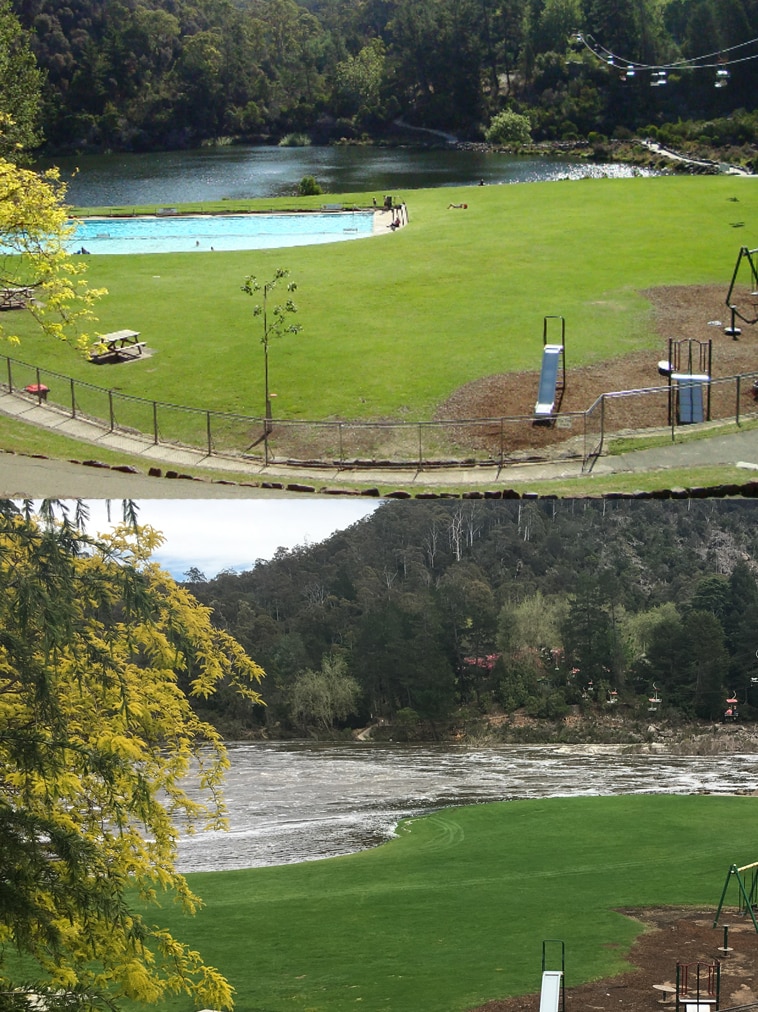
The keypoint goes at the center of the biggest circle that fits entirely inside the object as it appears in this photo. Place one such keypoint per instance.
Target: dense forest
(148, 74)
(429, 615)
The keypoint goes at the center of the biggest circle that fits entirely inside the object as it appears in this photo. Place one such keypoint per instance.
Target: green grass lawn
(453, 911)
(394, 324)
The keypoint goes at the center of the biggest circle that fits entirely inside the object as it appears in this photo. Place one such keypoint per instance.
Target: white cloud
(216, 534)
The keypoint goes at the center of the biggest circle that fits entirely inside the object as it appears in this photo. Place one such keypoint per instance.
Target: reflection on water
(242, 172)
(299, 802)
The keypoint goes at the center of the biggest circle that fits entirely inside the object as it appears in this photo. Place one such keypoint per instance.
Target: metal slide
(550, 995)
(548, 379)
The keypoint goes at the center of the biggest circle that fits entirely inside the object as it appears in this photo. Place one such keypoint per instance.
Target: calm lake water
(300, 802)
(240, 172)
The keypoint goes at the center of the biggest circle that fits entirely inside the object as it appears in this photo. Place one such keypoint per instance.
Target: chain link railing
(475, 442)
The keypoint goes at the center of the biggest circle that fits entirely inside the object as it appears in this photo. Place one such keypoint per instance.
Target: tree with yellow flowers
(100, 652)
(35, 229)
(34, 256)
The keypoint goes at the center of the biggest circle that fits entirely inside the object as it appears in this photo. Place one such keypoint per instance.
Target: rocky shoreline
(632, 734)
(644, 153)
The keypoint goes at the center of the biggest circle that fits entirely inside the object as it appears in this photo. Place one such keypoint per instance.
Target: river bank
(645, 153)
(634, 733)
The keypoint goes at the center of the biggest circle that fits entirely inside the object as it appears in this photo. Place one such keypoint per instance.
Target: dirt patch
(671, 936)
(692, 311)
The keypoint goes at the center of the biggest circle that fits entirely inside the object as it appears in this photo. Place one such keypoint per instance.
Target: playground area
(672, 935)
(696, 312)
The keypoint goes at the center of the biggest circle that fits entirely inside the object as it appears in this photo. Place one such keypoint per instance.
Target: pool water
(203, 232)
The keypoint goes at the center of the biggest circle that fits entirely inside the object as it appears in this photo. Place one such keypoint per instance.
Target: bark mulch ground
(671, 935)
(692, 311)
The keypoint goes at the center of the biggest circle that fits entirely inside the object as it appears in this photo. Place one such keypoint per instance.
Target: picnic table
(15, 298)
(118, 345)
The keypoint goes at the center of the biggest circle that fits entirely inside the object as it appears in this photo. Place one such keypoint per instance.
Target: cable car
(654, 700)
(731, 713)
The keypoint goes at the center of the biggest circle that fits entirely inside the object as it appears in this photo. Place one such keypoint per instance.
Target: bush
(308, 187)
(295, 140)
(508, 127)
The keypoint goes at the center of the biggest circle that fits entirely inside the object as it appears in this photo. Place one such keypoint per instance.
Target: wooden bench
(118, 354)
(15, 298)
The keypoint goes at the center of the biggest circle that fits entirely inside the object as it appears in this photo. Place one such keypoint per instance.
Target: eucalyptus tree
(20, 89)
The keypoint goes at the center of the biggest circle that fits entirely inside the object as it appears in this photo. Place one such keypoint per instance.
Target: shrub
(508, 127)
(295, 140)
(308, 187)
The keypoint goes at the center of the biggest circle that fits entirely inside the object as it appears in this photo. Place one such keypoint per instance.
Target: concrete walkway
(234, 476)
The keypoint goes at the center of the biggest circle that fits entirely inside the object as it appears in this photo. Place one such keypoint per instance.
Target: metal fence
(448, 442)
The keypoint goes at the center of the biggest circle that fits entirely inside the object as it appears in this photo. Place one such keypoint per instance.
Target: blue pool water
(202, 233)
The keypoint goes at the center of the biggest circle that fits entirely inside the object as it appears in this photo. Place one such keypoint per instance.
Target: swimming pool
(204, 232)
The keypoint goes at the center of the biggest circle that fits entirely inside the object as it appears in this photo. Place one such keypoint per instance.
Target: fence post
(10, 376)
(155, 423)
(208, 432)
(73, 397)
(602, 425)
(39, 386)
(502, 441)
(342, 449)
(737, 415)
(110, 409)
(420, 447)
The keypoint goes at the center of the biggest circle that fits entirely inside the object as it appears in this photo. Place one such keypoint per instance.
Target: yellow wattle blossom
(100, 652)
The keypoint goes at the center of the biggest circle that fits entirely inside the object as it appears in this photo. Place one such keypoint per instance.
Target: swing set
(747, 315)
(748, 891)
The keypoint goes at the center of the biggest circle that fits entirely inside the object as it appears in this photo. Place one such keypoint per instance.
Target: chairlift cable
(693, 63)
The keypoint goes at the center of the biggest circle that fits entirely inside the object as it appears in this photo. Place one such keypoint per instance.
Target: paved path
(739, 449)
(177, 466)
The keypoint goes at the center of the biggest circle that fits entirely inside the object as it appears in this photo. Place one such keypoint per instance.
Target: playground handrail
(322, 443)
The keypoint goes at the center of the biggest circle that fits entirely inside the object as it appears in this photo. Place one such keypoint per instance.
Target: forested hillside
(140, 74)
(427, 614)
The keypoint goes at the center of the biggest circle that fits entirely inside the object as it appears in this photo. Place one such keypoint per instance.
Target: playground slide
(690, 391)
(551, 357)
(550, 995)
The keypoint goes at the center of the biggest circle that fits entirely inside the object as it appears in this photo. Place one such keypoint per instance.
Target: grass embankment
(22, 438)
(454, 910)
(392, 325)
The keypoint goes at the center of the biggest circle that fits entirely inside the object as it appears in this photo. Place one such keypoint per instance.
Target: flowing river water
(291, 802)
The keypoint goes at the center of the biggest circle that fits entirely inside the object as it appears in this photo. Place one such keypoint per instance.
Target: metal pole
(110, 409)
(10, 377)
(73, 397)
(155, 423)
(208, 432)
(602, 425)
(737, 414)
(734, 331)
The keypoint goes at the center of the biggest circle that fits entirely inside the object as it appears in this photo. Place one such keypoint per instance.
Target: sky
(216, 534)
